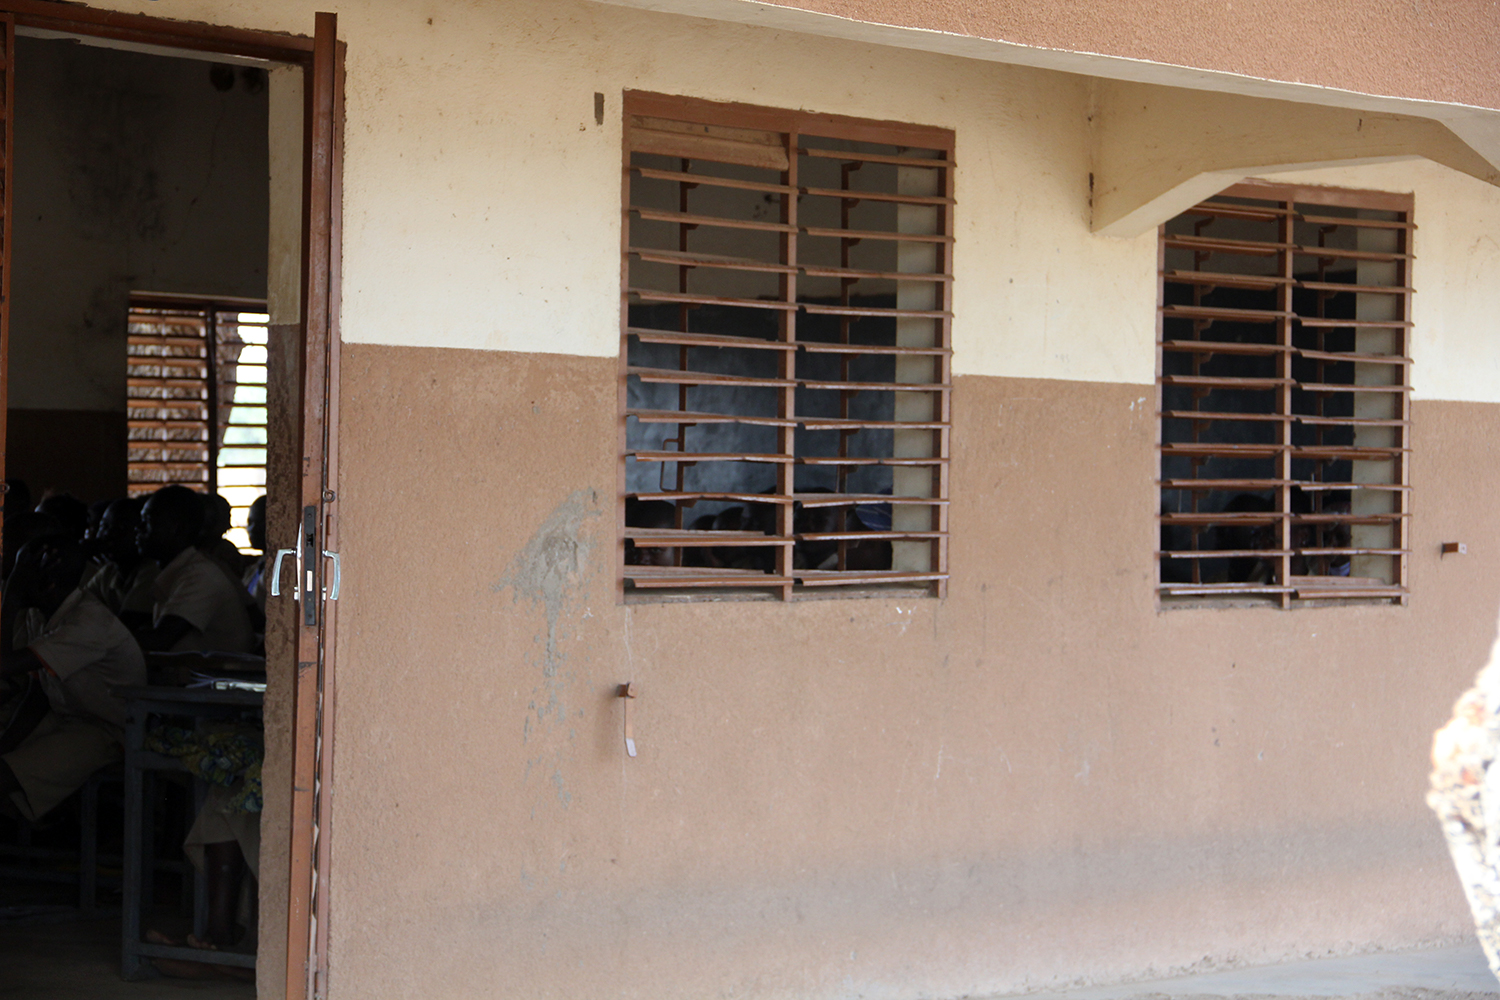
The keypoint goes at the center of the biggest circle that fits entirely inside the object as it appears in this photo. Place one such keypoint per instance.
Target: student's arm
(18, 661)
(166, 634)
(20, 592)
(34, 707)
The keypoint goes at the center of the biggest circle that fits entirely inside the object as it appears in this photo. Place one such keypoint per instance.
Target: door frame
(321, 57)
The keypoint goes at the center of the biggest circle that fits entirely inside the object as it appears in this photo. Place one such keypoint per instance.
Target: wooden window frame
(215, 411)
(719, 132)
(1284, 587)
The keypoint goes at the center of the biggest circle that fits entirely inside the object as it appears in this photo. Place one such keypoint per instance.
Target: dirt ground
(77, 959)
(1390, 993)
(1450, 972)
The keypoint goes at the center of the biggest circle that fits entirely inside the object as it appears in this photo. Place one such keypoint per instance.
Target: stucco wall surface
(1433, 51)
(474, 162)
(1444, 52)
(453, 182)
(132, 173)
(1041, 779)
(1456, 307)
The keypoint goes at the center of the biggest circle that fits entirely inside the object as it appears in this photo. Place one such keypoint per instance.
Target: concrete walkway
(1439, 972)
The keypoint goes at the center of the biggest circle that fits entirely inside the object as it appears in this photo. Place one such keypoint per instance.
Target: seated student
(211, 541)
(17, 509)
(77, 649)
(122, 578)
(21, 528)
(224, 842)
(69, 511)
(697, 555)
(21, 695)
(91, 533)
(254, 579)
(195, 606)
(649, 514)
(1242, 536)
(756, 557)
(17, 497)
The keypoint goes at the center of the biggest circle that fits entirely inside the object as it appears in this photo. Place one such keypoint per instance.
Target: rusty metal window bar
(1284, 396)
(185, 360)
(785, 380)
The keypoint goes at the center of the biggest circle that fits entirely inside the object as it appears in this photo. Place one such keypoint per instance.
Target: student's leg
(30, 710)
(8, 787)
(54, 762)
(225, 866)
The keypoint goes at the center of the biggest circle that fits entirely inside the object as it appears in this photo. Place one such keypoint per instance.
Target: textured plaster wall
(132, 173)
(1432, 51)
(474, 163)
(432, 190)
(1456, 308)
(1160, 150)
(1041, 779)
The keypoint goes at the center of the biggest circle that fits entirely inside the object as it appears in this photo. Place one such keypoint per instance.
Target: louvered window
(186, 360)
(785, 361)
(1285, 404)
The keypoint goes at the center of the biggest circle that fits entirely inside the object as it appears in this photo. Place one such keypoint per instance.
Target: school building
(994, 462)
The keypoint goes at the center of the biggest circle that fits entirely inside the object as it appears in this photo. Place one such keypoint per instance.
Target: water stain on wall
(551, 570)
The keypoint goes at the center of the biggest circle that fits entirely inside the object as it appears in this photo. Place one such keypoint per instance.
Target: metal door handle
(276, 570)
(333, 593)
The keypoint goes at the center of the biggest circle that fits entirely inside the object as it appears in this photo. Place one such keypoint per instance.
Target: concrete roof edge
(1479, 126)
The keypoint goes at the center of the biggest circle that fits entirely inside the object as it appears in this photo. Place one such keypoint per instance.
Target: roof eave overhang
(1339, 127)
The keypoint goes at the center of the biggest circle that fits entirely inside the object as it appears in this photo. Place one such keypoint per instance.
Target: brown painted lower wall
(81, 452)
(1042, 779)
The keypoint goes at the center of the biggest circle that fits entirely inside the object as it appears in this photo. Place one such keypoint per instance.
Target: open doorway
(146, 176)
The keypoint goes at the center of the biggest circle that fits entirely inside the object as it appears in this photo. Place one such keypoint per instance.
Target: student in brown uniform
(196, 605)
(123, 578)
(77, 649)
(199, 607)
(254, 578)
(217, 516)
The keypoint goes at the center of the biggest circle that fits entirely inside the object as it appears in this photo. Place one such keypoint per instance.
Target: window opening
(196, 399)
(786, 360)
(1284, 396)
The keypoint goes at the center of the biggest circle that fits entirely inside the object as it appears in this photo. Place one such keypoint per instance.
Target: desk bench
(139, 850)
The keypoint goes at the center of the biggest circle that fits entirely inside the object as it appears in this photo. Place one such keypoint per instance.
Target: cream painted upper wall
(1456, 274)
(482, 201)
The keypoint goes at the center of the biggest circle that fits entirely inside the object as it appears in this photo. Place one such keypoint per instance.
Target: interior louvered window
(1284, 396)
(196, 399)
(785, 361)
